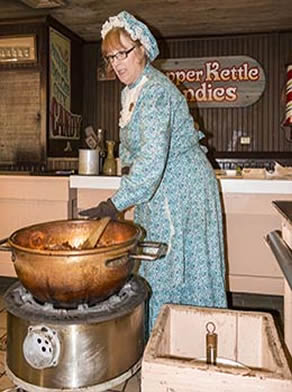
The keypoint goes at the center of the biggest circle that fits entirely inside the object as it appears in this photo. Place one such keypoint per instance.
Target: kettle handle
(161, 251)
(4, 248)
(160, 247)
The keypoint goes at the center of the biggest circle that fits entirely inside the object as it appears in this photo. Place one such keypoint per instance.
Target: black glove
(125, 170)
(105, 208)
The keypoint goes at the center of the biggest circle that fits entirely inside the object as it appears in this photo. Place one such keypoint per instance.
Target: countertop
(230, 183)
(233, 184)
(52, 173)
(95, 182)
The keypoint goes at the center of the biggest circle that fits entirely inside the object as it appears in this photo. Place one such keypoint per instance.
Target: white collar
(129, 99)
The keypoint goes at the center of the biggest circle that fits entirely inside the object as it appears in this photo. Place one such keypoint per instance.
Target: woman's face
(130, 68)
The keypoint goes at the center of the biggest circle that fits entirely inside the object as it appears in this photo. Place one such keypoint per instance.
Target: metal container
(88, 162)
(49, 348)
(71, 276)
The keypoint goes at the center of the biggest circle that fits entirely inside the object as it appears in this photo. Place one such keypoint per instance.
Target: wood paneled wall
(89, 86)
(261, 121)
(23, 99)
(20, 108)
(25, 122)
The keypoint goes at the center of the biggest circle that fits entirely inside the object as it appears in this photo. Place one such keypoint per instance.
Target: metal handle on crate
(4, 248)
(161, 251)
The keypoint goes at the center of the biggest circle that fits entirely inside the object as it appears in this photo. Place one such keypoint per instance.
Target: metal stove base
(22, 386)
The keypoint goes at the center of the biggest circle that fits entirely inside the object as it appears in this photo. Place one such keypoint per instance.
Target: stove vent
(44, 3)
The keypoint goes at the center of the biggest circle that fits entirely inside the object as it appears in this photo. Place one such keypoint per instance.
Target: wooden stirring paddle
(95, 235)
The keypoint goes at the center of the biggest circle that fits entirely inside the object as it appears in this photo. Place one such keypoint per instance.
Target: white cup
(88, 162)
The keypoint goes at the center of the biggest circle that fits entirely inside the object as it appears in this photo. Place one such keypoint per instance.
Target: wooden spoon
(95, 235)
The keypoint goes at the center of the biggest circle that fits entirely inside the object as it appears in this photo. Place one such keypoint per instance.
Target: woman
(170, 181)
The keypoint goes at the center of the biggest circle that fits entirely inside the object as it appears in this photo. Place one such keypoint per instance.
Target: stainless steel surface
(103, 387)
(282, 253)
(280, 243)
(90, 353)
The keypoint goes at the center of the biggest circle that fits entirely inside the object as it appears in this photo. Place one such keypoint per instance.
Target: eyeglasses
(122, 55)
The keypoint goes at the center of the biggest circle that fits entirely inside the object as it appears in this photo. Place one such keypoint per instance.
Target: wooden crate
(170, 361)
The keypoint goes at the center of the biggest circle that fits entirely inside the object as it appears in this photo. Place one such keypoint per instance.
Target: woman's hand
(125, 170)
(105, 208)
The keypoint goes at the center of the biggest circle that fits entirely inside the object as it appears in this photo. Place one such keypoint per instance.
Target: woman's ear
(142, 53)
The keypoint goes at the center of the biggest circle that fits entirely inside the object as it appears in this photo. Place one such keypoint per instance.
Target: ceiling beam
(44, 3)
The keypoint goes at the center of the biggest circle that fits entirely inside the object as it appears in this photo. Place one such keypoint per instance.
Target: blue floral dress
(174, 189)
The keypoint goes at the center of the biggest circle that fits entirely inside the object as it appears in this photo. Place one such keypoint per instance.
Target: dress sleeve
(147, 170)
(124, 155)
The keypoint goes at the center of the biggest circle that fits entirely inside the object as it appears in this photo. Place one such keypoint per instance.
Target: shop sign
(18, 49)
(65, 126)
(229, 81)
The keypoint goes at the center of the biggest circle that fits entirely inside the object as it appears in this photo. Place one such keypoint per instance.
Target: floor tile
(3, 339)
(2, 362)
(2, 305)
(117, 388)
(5, 382)
(131, 385)
(3, 317)
(134, 383)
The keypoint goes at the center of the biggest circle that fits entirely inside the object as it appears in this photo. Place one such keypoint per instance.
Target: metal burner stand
(59, 350)
(22, 386)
